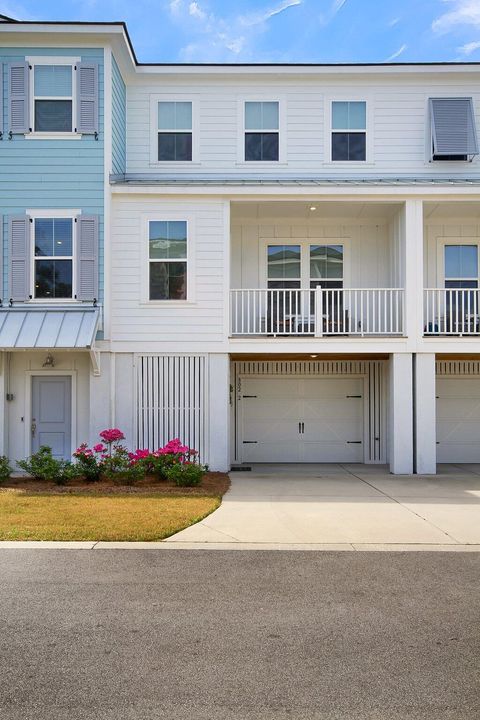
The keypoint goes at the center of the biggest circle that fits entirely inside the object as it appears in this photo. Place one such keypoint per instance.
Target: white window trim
(52, 60)
(145, 259)
(282, 131)
(69, 215)
(370, 118)
(442, 164)
(178, 97)
(441, 243)
(305, 256)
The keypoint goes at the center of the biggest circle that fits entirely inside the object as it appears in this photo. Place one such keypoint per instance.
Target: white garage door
(309, 420)
(458, 420)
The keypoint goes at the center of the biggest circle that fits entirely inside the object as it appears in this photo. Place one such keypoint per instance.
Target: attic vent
(454, 135)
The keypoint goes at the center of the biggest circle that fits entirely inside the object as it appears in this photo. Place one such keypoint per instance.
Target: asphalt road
(174, 634)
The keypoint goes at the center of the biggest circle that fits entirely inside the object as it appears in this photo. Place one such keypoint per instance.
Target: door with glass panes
(294, 271)
(461, 274)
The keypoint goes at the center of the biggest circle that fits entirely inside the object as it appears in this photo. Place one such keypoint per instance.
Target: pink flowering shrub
(113, 435)
(112, 460)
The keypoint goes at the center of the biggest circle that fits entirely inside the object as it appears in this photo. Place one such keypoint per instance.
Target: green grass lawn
(79, 516)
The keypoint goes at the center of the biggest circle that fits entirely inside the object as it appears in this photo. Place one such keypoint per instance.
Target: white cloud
(217, 38)
(15, 11)
(394, 22)
(335, 8)
(195, 10)
(462, 12)
(469, 48)
(262, 16)
(397, 54)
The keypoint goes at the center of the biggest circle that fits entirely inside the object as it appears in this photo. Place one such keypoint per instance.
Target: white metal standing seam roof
(47, 328)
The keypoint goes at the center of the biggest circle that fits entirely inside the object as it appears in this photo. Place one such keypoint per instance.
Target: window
(326, 266)
(454, 133)
(284, 267)
(261, 131)
(349, 137)
(53, 98)
(53, 258)
(461, 266)
(167, 252)
(174, 131)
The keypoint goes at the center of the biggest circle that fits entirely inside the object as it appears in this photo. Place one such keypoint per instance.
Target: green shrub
(119, 467)
(185, 474)
(5, 469)
(44, 467)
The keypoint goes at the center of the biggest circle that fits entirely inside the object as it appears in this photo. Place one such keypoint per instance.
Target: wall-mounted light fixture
(49, 361)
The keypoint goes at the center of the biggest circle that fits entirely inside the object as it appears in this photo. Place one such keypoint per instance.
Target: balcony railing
(451, 311)
(317, 312)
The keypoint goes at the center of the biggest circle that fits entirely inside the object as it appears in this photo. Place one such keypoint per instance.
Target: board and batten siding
(369, 252)
(437, 233)
(157, 327)
(398, 112)
(119, 120)
(47, 173)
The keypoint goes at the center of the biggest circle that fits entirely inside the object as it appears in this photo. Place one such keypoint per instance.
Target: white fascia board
(295, 70)
(293, 192)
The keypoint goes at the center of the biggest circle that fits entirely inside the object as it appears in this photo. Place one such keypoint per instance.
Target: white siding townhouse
(275, 263)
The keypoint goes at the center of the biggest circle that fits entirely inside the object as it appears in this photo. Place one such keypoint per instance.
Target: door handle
(301, 427)
(33, 427)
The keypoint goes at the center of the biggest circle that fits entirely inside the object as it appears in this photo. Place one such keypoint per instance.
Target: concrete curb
(162, 545)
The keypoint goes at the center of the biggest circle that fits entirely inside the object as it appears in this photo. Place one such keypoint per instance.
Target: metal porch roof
(47, 328)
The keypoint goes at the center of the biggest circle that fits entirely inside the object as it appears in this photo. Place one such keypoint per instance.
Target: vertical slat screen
(172, 401)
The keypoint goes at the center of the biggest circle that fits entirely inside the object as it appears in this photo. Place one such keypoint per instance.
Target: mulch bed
(213, 484)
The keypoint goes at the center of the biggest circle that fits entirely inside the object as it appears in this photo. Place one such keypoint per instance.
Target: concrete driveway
(345, 507)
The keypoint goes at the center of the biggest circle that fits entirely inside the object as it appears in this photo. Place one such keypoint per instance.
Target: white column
(425, 415)
(401, 414)
(100, 396)
(219, 412)
(413, 271)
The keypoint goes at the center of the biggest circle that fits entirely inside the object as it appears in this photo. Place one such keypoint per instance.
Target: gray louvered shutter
(1, 101)
(87, 98)
(87, 257)
(19, 258)
(453, 126)
(18, 98)
(1, 258)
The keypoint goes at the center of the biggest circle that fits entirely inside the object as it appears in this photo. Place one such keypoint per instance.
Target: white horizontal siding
(399, 124)
(201, 321)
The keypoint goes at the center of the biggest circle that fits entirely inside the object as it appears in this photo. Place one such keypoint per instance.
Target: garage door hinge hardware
(250, 442)
(249, 396)
(354, 396)
(354, 442)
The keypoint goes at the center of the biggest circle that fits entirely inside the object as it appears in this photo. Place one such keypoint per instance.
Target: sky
(279, 30)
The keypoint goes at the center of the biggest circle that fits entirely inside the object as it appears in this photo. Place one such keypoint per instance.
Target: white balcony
(451, 311)
(319, 312)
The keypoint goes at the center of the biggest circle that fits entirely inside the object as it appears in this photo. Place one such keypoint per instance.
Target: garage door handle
(250, 442)
(249, 396)
(354, 396)
(354, 442)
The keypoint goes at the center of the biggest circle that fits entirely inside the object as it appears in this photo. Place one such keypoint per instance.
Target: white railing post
(318, 311)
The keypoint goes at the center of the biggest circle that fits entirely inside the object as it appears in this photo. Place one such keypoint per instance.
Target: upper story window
(167, 257)
(461, 266)
(53, 98)
(261, 131)
(349, 131)
(326, 266)
(453, 129)
(53, 258)
(174, 131)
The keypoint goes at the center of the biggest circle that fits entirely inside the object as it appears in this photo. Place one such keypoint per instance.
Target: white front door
(458, 419)
(296, 419)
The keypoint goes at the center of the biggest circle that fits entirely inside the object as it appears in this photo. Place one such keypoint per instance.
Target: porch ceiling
(303, 210)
